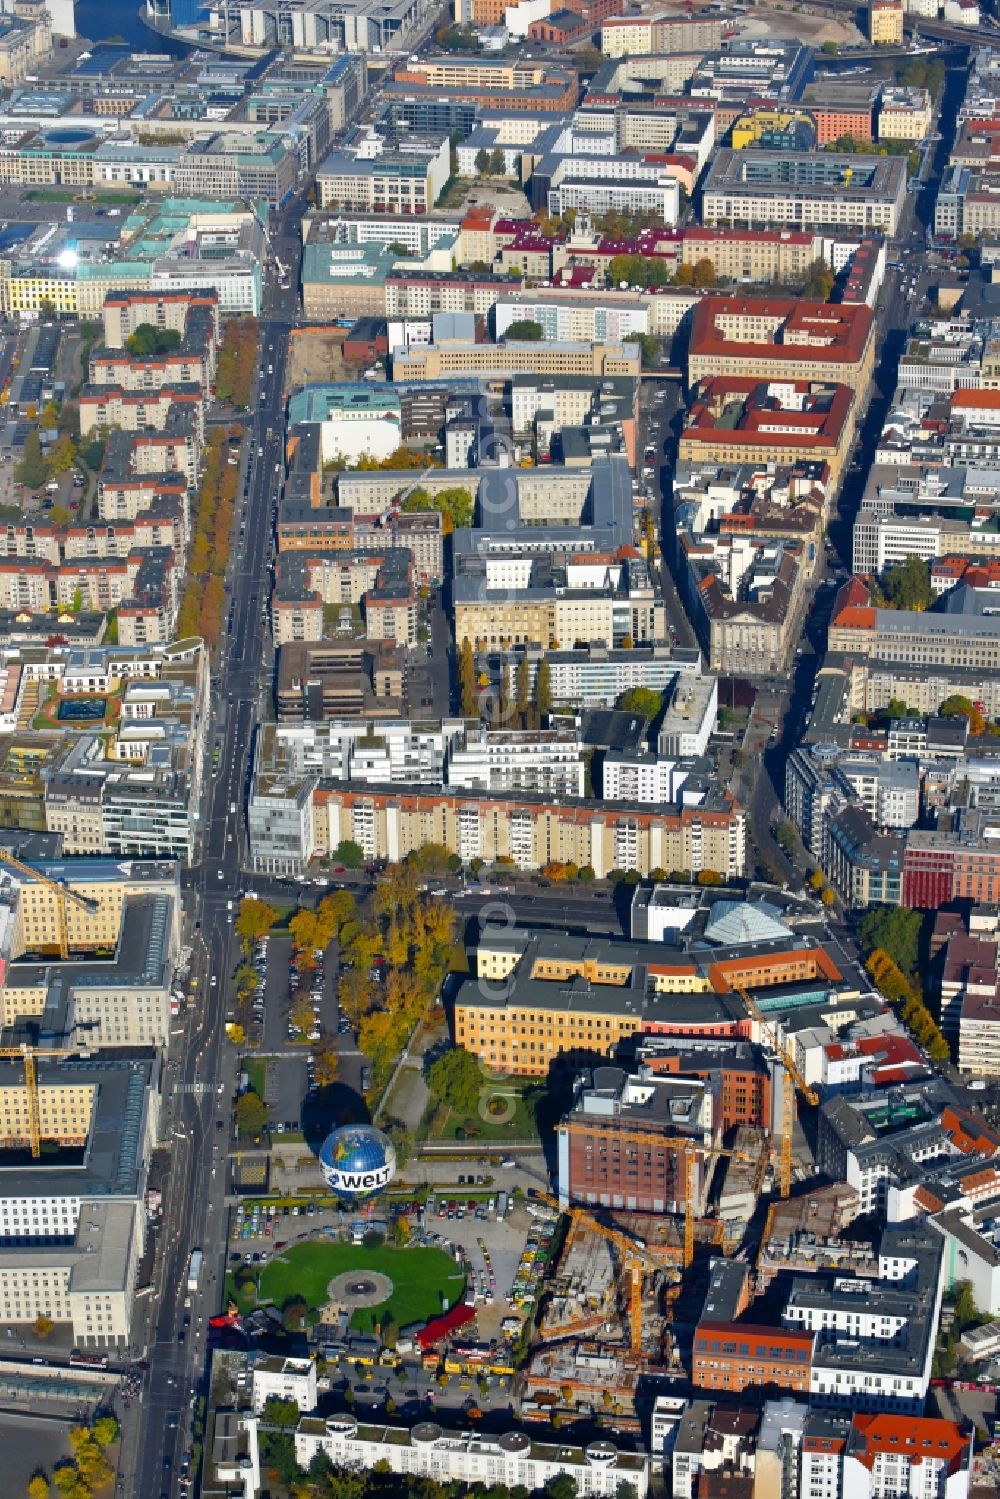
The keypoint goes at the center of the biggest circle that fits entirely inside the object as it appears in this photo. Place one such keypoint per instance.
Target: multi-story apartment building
(747, 598)
(885, 23)
(487, 82)
(551, 995)
(596, 676)
(72, 1233)
(841, 108)
(459, 358)
(527, 829)
(819, 189)
(408, 180)
(754, 255)
(874, 1339)
(419, 293)
(566, 607)
(737, 1070)
(904, 114)
(742, 420)
(429, 1451)
(636, 36)
(278, 1378)
(453, 753)
(964, 632)
(233, 165)
(734, 1356)
(776, 338)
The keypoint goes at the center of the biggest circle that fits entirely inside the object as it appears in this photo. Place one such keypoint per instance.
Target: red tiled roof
(841, 330)
(919, 1439)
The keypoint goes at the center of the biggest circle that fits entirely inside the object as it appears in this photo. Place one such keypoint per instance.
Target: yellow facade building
(885, 23)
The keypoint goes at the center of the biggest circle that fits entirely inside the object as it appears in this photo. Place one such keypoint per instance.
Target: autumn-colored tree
(303, 928)
(66, 1478)
(212, 602)
(251, 1114)
(31, 470)
(396, 891)
(467, 679)
(38, 1486)
(61, 455)
(397, 946)
(957, 706)
(378, 1035)
(703, 275)
(301, 1016)
(522, 690)
(105, 1430)
(42, 1327)
(189, 614)
(355, 995)
(304, 961)
(543, 689)
(201, 552)
(93, 1465)
(254, 920)
(246, 981)
(437, 924)
(326, 1060)
(337, 908)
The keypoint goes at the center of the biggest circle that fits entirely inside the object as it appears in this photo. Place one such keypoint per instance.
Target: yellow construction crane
(635, 1257)
(689, 1151)
(787, 1094)
(29, 1055)
(62, 890)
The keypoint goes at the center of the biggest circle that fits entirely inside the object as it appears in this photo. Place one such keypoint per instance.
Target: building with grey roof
(72, 1226)
(821, 189)
(874, 1338)
(123, 1001)
(905, 1149)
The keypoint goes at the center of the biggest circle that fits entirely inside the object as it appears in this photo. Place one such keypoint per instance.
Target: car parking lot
(257, 1228)
(418, 1393)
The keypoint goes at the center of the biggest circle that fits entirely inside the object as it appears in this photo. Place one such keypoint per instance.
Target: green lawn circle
(420, 1277)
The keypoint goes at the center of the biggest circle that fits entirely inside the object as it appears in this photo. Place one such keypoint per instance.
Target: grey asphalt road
(194, 1213)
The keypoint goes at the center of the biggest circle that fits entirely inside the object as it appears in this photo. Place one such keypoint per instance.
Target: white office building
(547, 760)
(277, 1378)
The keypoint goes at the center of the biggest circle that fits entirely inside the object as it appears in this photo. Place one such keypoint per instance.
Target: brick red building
(741, 1076)
(944, 866)
(613, 1158)
(562, 27)
(737, 1355)
(595, 11)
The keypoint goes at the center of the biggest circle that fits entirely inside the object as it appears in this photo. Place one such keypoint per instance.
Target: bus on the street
(194, 1270)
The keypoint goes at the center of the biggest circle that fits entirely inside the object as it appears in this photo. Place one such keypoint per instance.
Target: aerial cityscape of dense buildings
(500, 750)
